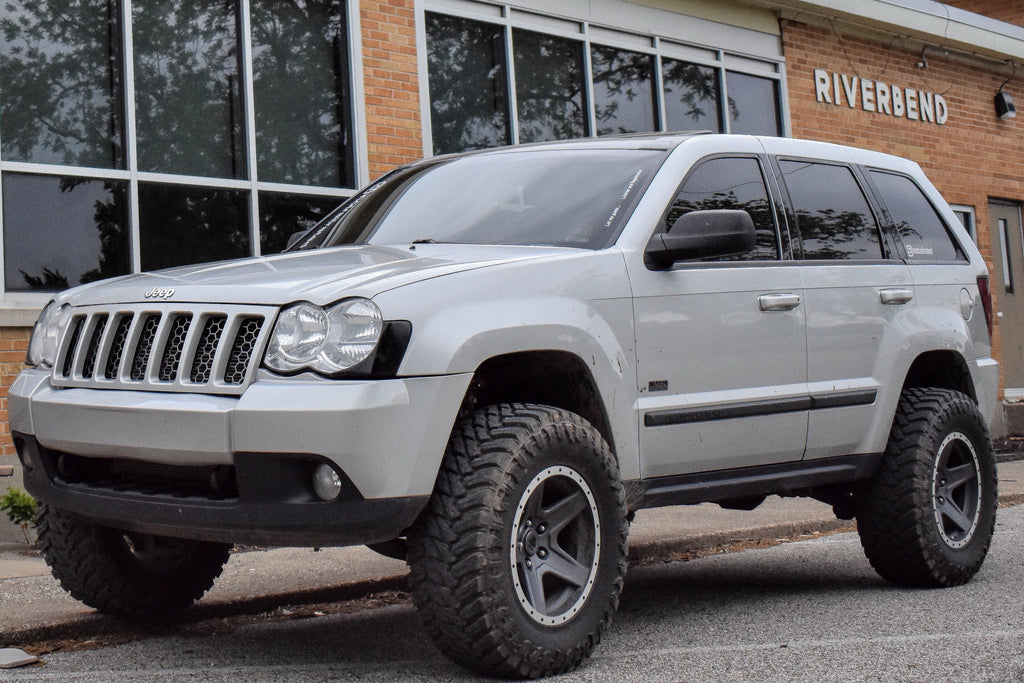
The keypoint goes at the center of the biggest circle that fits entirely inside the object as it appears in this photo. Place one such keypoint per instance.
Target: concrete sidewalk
(33, 607)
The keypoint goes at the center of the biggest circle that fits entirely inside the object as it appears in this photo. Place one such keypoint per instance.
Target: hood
(320, 276)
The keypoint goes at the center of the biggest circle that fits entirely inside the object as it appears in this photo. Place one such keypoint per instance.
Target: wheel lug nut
(541, 529)
(529, 565)
(942, 500)
(529, 522)
(542, 553)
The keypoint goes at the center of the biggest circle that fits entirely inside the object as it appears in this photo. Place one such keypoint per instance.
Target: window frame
(11, 302)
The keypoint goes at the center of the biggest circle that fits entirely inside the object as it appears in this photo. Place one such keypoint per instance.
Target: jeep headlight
(42, 347)
(325, 340)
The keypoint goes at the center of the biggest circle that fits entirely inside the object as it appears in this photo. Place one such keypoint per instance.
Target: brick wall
(391, 83)
(972, 157)
(1010, 11)
(13, 345)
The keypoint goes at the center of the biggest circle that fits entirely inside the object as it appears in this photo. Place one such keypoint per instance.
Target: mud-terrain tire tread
(459, 562)
(894, 511)
(94, 564)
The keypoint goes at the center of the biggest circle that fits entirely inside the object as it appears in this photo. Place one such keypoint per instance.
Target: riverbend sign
(880, 98)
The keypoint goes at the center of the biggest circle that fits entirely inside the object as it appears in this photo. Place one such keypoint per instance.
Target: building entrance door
(1008, 287)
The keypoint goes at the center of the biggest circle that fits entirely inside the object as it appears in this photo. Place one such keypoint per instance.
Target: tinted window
(180, 225)
(468, 89)
(549, 87)
(923, 233)
(753, 104)
(560, 198)
(623, 90)
(730, 183)
(832, 215)
(61, 232)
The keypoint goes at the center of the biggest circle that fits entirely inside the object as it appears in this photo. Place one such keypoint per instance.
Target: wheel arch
(942, 369)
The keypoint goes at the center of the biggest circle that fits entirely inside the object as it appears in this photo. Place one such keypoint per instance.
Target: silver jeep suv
(484, 363)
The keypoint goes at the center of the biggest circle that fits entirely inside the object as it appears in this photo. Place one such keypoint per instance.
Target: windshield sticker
(622, 199)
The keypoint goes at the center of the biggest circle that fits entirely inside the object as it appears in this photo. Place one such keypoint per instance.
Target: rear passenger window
(730, 183)
(922, 231)
(832, 215)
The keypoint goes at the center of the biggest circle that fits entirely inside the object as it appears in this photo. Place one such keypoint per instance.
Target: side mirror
(703, 235)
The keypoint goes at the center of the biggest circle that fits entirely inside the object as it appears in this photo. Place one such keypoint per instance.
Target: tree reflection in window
(301, 91)
(63, 231)
(623, 90)
(832, 215)
(730, 183)
(691, 96)
(549, 87)
(60, 82)
(187, 99)
(283, 215)
(468, 84)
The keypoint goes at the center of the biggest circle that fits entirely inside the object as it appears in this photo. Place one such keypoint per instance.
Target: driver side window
(730, 183)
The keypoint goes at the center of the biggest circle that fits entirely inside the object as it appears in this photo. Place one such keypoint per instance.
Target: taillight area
(986, 301)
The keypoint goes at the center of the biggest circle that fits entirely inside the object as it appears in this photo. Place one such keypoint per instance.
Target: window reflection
(832, 215)
(187, 98)
(753, 104)
(549, 87)
(283, 215)
(60, 82)
(623, 90)
(181, 225)
(300, 82)
(61, 231)
(468, 86)
(691, 96)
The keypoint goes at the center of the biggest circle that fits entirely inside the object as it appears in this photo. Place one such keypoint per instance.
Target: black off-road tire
(138, 576)
(927, 516)
(527, 505)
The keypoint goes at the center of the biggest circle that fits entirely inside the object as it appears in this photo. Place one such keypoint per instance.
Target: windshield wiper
(425, 240)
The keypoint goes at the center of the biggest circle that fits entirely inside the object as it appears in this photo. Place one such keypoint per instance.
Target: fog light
(326, 482)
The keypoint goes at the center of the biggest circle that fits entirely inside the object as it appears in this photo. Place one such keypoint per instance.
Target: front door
(1008, 290)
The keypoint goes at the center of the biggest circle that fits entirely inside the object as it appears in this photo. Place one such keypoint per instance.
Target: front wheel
(927, 516)
(518, 561)
(128, 574)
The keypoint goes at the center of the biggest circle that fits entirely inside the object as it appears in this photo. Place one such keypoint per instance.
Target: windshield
(571, 198)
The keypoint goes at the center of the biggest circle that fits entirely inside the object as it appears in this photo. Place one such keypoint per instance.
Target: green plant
(20, 508)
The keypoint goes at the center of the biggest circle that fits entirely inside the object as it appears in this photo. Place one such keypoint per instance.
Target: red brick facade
(13, 345)
(970, 158)
(390, 83)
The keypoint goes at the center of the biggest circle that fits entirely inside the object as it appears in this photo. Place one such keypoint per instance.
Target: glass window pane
(731, 183)
(924, 235)
(468, 84)
(187, 103)
(623, 90)
(301, 91)
(691, 96)
(60, 83)
(753, 104)
(60, 231)
(180, 225)
(832, 215)
(549, 87)
(283, 215)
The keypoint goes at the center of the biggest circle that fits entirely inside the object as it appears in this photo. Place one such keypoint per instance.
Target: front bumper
(385, 437)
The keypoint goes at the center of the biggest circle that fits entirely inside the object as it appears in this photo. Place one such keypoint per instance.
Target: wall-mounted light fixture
(1004, 103)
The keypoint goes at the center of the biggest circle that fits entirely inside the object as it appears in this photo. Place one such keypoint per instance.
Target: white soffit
(925, 20)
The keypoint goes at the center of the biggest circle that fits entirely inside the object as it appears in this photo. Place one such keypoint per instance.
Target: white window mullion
(659, 86)
(248, 102)
(588, 83)
(510, 68)
(131, 157)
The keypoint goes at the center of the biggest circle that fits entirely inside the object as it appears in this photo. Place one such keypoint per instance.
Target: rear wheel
(518, 561)
(927, 516)
(124, 573)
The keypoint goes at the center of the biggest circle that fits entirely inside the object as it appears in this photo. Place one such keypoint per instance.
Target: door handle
(778, 302)
(894, 297)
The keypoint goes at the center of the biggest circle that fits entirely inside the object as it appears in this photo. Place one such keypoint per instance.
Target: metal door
(1008, 290)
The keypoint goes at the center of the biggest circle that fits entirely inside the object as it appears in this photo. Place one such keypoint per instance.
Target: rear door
(721, 349)
(855, 286)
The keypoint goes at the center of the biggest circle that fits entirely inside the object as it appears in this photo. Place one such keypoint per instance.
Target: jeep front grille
(163, 348)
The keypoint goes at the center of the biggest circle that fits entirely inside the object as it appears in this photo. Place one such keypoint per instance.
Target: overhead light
(1004, 103)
